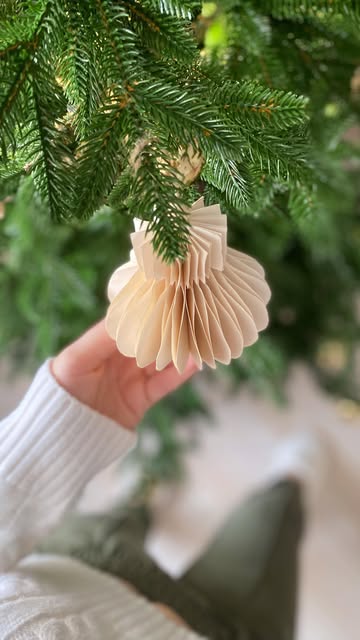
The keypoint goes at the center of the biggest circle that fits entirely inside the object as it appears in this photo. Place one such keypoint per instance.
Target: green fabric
(242, 588)
(250, 569)
(114, 544)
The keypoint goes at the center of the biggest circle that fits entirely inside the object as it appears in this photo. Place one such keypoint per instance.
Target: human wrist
(50, 429)
(60, 371)
(85, 388)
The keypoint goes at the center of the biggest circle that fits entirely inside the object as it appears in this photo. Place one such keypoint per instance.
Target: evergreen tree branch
(190, 120)
(251, 105)
(179, 8)
(52, 157)
(126, 71)
(166, 35)
(101, 156)
(157, 194)
(281, 158)
(230, 178)
(49, 154)
(13, 105)
(121, 56)
(302, 202)
(22, 24)
(16, 76)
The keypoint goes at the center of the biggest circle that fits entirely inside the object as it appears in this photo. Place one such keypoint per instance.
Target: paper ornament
(210, 305)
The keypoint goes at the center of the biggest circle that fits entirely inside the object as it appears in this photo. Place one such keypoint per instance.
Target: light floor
(230, 460)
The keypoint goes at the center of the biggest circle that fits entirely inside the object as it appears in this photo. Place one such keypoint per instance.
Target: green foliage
(53, 289)
(296, 9)
(164, 193)
(119, 72)
(182, 9)
(264, 367)
(162, 461)
(168, 38)
(255, 106)
(32, 105)
(99, 99)
(229, 177)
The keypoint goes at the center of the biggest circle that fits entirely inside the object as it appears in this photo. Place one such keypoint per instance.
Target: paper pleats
(209, 306)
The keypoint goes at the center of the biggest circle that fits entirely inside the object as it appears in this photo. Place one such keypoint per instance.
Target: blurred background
(205, 448)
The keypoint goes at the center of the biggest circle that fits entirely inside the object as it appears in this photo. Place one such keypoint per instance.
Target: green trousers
(244, 587)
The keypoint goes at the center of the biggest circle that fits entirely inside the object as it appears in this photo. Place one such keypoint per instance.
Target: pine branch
(190, 120)
(101, 155)
(35, 104)
(246, 27)
(16, 60)
(117, 199)
(179, 8)
(13, 100)
(119, 54)
(78, 67)
(280, 157)
(7, 8)
(12, 169)
(302, 202)
(166, 35)
(250, 51)
(49, 154)
(125, 71)
(157, 193)
(21, 24)
(273, 138)
(251, 105)
(74, 60)
(231, 179)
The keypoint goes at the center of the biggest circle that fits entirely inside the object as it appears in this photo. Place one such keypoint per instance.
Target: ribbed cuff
(52, 444)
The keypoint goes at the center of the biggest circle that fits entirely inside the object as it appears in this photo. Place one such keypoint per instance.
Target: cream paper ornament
(210, 305)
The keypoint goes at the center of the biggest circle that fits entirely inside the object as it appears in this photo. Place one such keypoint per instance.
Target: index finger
(92, 348)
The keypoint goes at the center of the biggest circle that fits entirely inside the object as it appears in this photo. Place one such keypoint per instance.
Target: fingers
(163, 382)
(90, 350)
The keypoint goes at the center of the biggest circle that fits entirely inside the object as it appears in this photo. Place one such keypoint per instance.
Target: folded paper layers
(209, 306)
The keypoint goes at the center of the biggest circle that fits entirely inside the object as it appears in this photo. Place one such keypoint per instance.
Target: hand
(93, 371)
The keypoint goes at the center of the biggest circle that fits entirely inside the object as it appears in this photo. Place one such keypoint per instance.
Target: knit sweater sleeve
(50, 447)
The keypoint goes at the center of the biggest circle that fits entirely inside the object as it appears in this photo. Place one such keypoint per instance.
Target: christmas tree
(113, 109)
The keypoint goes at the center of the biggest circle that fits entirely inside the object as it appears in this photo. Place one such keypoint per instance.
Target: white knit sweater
(50, 447)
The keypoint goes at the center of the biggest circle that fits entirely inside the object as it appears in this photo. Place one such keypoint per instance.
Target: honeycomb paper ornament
(210, 305)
